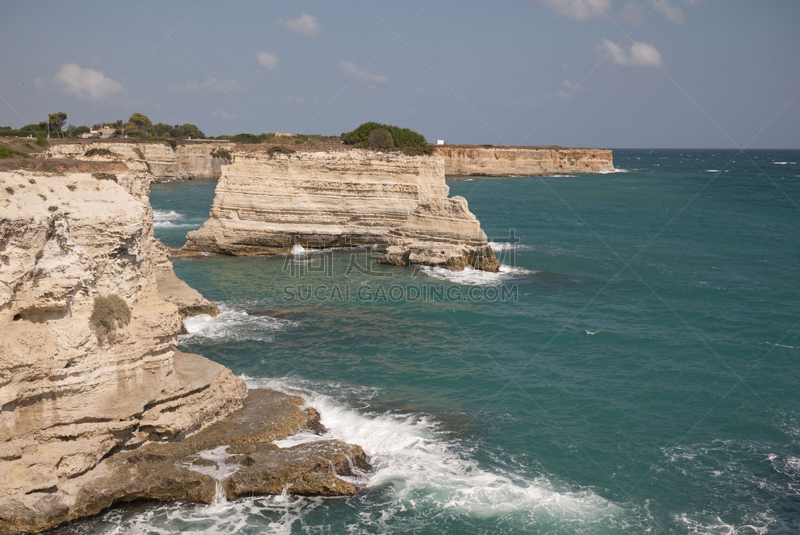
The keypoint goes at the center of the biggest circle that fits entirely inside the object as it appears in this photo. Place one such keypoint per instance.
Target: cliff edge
(90, 376)
(471, 160)
(266, 202)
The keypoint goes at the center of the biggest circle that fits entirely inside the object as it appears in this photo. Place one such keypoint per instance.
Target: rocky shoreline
(98, 406)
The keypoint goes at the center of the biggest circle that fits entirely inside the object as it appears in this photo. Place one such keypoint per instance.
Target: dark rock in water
(229, 458)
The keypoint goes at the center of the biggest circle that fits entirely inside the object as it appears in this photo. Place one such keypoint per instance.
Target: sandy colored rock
(470, 160)
(266, 203)
(245, 462)
(70, 393)
(162, 162)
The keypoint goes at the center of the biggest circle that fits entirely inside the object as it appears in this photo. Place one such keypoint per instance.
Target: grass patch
(105, 176)
(109, 313)
(8, 152)
(42, 142)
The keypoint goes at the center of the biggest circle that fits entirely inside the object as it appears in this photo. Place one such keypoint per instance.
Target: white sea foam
(298, 249)
(499, 247)
(712, 170)
(425, 471)
(592, 333)
(780, 163)
(616, 170)
(167, 219)
(220, 471)
(166, 215)
(475, 277)
(232, 324)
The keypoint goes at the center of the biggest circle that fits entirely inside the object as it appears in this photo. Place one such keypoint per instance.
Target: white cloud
(270, 61)
(212, 85)
(349, 68)
(577, 9)
(86, 84)
(295, 99)
(640, 54)
(672, 13)
(305, 24)
(222, 114)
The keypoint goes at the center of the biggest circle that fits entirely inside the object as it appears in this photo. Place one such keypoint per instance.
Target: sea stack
(268, 201)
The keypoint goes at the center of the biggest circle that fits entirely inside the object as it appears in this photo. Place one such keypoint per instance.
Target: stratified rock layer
(265, 203)
(186, 161)
(470, 160)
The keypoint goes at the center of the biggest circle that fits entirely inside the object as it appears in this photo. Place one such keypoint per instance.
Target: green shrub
(109, 313)
(246, 138)
(52, 208)
(8, 152)
(42, 142)
(221, 153)
(381, 139)
(39, 255)
(98, 152)
(105, 176)
(29, 146)
(172, 143)
(10, 190)
(71, 187)
(32, 180)
(405, 139)
(487, 146)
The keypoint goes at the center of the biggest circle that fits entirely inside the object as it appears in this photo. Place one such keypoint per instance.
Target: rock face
(77, 385)
(162, 162)
(232, 457)
(265, 203)
(468, 160)
(90, 380)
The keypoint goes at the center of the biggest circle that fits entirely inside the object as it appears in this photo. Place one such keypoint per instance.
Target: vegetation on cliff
(109, 313)
(374, 136)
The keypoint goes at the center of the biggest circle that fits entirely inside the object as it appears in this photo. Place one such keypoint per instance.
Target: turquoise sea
(634, 368)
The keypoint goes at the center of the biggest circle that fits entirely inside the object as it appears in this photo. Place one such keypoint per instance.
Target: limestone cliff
(74, 385)
(470, 160)
(267, 202)
(186, 161)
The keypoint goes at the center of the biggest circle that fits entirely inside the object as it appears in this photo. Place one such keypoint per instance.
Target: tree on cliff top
(405, 139)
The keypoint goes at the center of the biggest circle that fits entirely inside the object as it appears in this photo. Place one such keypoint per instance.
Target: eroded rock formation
(471, 160)
(265, 203)
(89, 375)
(186, 161)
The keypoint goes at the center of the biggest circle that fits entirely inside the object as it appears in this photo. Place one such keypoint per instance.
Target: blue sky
(598, 73)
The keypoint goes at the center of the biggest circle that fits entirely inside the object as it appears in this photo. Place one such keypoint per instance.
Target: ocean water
(633, 368)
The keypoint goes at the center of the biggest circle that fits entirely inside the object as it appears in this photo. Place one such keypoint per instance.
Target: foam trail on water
(498, 247)
(231, 324)
(426, 472)
(475, 277)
